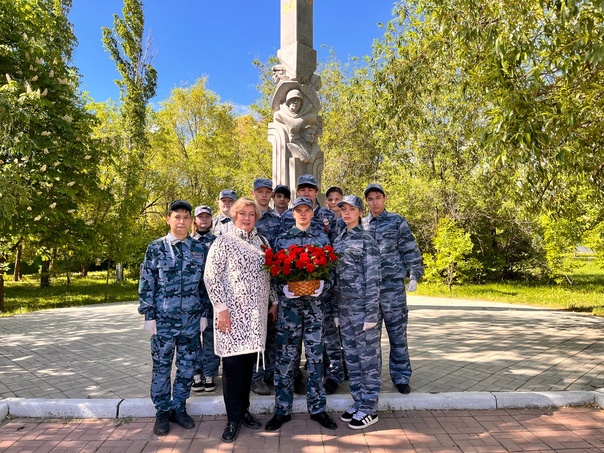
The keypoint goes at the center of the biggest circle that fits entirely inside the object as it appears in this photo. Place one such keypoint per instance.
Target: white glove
(288, 293)
(319, 290)
(336, 321)
(151, 327)
(203, 324)
(412, 286)
(369, 325)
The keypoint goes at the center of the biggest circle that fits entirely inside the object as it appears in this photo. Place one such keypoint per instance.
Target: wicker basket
(304, 288)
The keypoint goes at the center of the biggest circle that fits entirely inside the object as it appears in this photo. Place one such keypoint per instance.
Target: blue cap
(352, 200)
(307, 180)
(227, 193)
(180, 205)
(263, 182)
(302, 201)
(372, 188)
(202, 209)
(280, 188)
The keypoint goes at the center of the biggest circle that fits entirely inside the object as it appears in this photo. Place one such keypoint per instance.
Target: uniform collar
(173, 239)
(382, 215)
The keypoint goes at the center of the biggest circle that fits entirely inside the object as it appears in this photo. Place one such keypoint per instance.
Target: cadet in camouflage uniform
(300, 318)
(400, 258)
(207, 364)
(268, 226)
(222, 222)
(323, 220)
(171, 295)
(357, 291)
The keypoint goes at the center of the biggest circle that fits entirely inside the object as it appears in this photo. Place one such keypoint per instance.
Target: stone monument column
(296, 123)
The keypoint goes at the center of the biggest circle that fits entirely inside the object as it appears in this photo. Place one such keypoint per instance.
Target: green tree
(451, 261)
(48, 158)
(132, 56)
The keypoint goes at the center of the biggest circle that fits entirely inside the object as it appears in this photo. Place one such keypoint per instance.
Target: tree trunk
(107, 279)
(17, 272)
(84, 269)
(119, 272)
(45, 274)
(53, 267)
(1, 283)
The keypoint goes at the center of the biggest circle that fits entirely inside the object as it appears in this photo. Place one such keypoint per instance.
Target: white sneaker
(197, 384)
(361, 420)
(209, 385)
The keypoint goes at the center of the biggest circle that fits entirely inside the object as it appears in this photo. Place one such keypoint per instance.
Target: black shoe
(277, 422)
(182, 418)
(299, 385)
(330, 386)
(162, 424)
(405, 389)
(231, 432)
(324, 420)
(249, 421)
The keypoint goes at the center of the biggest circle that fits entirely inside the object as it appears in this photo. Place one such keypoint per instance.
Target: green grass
(585, 295)
(26, 295)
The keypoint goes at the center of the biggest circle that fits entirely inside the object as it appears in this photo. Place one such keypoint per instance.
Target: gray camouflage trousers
(395, 315)
(299, 320)
(362, 354)
(332, 343)
(178, 336)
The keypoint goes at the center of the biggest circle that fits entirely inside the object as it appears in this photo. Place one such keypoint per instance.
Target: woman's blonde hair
(241, 204)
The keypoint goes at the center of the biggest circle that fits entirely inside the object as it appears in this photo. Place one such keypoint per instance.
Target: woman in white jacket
(239, 289)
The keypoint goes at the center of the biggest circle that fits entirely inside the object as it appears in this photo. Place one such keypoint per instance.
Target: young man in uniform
(400, 259)
(268, 226)
(323, 220)
(281, 199)
(300, 320)
(171, 297)
(206, 368)
(221, 222)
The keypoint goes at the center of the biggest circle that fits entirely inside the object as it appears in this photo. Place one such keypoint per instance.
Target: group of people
(207, 278)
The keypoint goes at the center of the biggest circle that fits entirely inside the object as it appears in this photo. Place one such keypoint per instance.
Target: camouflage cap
(372, 188)
(352, 200)
(180, 205)
(263, 182)
(202, 209)
(280, 188)
(308, 180)
(302, 201)
(228, 193)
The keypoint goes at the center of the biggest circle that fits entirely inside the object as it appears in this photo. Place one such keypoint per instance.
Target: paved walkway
(102, 352)
(570, 430)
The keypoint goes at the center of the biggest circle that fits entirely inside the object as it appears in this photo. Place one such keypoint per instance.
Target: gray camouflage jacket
(171, 278)
(358, 272)
(399, 254)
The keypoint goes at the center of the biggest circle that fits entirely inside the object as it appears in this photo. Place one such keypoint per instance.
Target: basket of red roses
(301, 266)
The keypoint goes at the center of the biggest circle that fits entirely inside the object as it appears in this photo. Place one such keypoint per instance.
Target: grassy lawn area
(586, 293)
(26, 295)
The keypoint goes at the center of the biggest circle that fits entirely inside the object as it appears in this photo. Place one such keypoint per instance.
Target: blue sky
(218, 39)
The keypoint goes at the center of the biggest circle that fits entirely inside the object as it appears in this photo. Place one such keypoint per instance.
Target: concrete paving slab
(62, 408)
(3, 410)
(517, 400)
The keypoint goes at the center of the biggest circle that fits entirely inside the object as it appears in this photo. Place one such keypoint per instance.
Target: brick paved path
(570, 430)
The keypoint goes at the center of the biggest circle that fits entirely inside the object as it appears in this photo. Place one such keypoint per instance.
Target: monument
(296, 124)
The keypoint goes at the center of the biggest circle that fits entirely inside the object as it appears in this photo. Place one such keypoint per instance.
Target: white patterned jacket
(236, 281)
